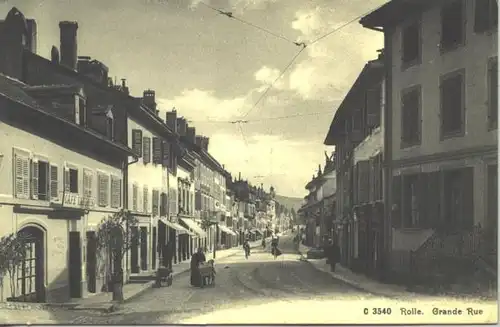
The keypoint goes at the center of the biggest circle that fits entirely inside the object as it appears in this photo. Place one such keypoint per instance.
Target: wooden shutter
(66, 180)
(116, 186)
(145, 199)
(103, 184)
(137, 141)
(396, 201)
(165, 149)
(155, 202)
(34, 179)
(157, 151)
(54, 183)
(146, 155)
(467, 176)
(134, 197)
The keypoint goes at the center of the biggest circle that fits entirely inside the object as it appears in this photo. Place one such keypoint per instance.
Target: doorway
(91, 265)
(144, 248)
(134, 251)
(31, 273)
(154, 245)
(75, 265)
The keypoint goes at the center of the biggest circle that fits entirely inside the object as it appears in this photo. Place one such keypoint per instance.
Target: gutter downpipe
(125, 205)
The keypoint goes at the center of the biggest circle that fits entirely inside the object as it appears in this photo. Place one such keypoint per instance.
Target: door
(144, 248)
(134, 251)
(91, 266)
(162, 240)
(153, 250)
(75, 265)
(30, 274)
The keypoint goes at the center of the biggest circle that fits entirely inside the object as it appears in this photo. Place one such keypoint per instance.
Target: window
(493, 93)
(146, 154)
(82, 112)
(155, 201)
(452, 25)
(137, 141)
(22, 173)
(145, 199)
(485, 16)
(54, 183)
(452, 104)
(103, 184)
(411, 120)
(135, 190)
(157, 151)
(88, 177)
(116, 192)
(71, 180)
(410, 47)
(110, 128)
(40, 180)
(163, 204)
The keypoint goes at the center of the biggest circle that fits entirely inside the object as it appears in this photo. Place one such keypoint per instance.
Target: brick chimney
(149, 99)
(205, 143)
(171, 120)
(182, 126)
(191, 134)
(199, 141)
(69, 51)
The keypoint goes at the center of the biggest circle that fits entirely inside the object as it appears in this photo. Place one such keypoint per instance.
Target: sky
(213, 70)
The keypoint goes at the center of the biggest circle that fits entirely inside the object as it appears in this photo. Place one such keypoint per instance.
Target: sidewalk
(103, 301)
(356, 280)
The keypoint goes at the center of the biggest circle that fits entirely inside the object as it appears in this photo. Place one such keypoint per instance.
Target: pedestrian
(196, 259)
(168, 254)
(334, 255)
(246, 248)
(263, 243)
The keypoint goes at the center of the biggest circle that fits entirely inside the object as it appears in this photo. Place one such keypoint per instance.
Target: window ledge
(450, 48)
(405, 65)
(452, 135)
(409, 145)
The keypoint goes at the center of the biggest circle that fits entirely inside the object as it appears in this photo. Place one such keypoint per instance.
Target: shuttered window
(34, 179)
(411, 116)
(137, 141)
(104, 188)
(157, 151)
(88, 177)
(163, 204)
(146, 148)
(116, 192)
(145, 199)
(135, 195)
(22, 176)
(165, 148)
(54, 183)
(156, 202)
(172, 196)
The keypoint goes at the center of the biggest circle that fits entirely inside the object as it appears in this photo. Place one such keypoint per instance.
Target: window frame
(25, 155)
(404, 144)
(38, 159)
(443, 78)
(418, 60)
(452, 47)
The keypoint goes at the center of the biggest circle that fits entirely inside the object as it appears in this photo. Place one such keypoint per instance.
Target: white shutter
(115, 192)
(103, 189)
(134, 197)
(53, 183)
(26, 177)
(19, 180)
(66, 180)
(146, 199)
(34, 179)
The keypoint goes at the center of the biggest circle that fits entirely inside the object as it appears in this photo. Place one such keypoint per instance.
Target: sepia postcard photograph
(255, 162)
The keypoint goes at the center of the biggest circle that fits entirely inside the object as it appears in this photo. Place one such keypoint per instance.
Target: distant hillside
(289, 202)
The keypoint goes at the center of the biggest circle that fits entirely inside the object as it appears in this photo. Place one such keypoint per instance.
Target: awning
(193, 225)
(177, 227)
(226, 230)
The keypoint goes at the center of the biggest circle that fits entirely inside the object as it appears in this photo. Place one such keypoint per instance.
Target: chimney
(149, 99)
(181, 126)
(171, 119)
(191, 134)
(205, 143)
(54, 55)
(32, 35)
(199, 141)
(69, 52)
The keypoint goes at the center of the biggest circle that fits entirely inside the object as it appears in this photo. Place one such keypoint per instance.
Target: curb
(345, 281)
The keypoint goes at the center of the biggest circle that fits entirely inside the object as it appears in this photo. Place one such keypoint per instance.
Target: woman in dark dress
(196, 259)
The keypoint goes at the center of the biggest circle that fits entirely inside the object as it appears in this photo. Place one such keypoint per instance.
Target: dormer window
(82, 112)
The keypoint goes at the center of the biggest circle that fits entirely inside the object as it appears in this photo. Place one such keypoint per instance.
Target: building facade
(441, 132)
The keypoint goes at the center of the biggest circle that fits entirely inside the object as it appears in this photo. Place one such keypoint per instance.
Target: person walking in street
(333, 255)
(196, 259)
(168, 254)
(246, 248)
(263, 243)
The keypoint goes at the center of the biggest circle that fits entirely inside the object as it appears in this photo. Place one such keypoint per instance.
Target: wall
(330, 185)
(473, 57)
(370, 146)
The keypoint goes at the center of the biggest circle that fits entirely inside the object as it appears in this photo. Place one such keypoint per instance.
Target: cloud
(239, 5)
(198, 104)
(267, 76)
(266, 158)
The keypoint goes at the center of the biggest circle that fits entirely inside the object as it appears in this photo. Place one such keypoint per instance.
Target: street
(243, 288)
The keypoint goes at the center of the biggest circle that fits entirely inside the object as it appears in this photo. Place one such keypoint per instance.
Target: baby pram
(207, 273)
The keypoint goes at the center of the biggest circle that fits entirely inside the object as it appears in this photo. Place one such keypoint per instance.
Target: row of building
(414, 172)
(77, 148)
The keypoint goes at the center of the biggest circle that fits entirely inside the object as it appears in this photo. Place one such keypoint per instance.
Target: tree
(12, 252)
(115, 236)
